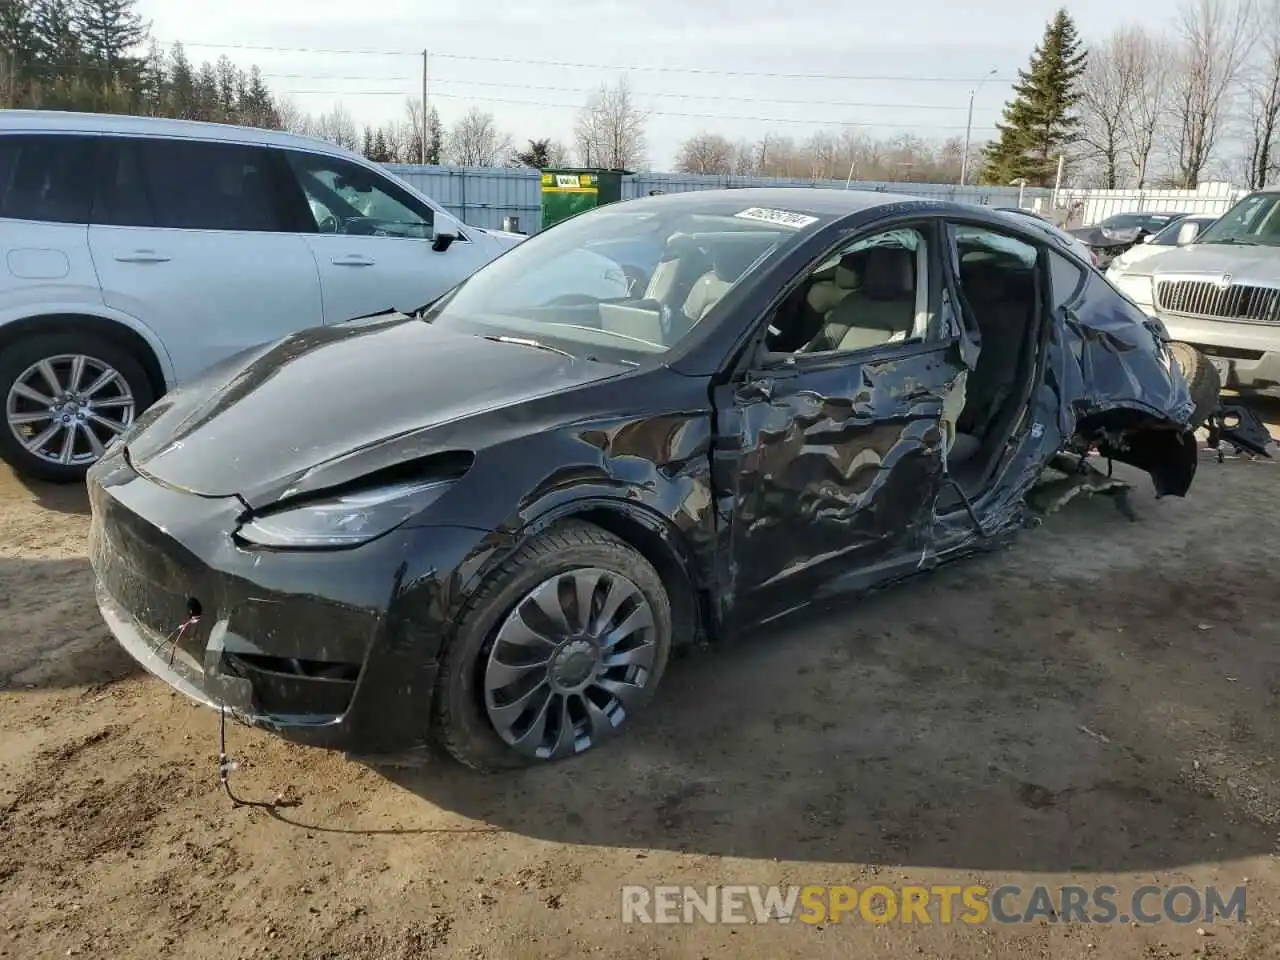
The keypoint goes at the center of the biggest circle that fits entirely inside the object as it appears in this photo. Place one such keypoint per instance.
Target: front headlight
(1137, 287)
(346, 520)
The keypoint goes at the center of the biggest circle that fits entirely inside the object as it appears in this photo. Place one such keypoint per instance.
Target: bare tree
(1262, 105)
(293, 119)
(475, 141)
(610, 130)
(337, 126)
(1149, 60)
(778, 157)
(1108, 87)
(1214, 41)
(558, 155)
(705, 153)
(824, 155)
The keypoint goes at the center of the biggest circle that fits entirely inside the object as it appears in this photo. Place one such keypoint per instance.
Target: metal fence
(487, 196)
(1085, 207)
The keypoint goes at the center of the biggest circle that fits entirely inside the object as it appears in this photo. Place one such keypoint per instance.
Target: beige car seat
(729, 260)
(870, 310)
(823, 295)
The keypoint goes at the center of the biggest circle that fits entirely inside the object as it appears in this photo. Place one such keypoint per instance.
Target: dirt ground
(1098, 704)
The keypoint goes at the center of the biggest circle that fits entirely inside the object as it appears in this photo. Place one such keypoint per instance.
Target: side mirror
(442, 241)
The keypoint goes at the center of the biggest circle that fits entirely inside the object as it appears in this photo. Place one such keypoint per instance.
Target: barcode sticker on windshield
(783, 218)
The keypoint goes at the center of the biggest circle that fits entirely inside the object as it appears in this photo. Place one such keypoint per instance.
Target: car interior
(686, 277)
(876, 292)
(1000, 289)
(693, 271)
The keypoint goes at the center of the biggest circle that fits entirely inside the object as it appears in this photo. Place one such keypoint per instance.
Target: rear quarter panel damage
(1120, 390)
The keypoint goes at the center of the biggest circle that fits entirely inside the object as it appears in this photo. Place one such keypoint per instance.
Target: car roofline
(104, 124)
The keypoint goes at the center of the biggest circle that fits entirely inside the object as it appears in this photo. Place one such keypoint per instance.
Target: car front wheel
(563, 645)
(67, 396)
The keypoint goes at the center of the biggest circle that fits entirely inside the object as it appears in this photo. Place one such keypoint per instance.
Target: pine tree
(18, 50)
(111, 33)
(380, 150)
(538, 155)
(56, 45)
(435, 137)
(256, 107)
(230, 80)
(182, 86)
(207, 93)
(152, 82)
(1041, 119)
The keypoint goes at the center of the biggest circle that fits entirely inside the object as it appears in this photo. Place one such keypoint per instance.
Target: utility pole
(424, 105)
(968, 132)
(968, 128)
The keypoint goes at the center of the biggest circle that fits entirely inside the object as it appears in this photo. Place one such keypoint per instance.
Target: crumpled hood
(1098, 237)
(1246, 264)
(338, 401)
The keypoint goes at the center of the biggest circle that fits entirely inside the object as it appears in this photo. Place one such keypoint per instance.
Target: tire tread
(537, 551)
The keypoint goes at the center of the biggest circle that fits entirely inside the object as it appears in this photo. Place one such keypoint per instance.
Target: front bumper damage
(328, 649)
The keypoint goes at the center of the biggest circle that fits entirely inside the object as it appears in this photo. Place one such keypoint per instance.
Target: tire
(16, 365)
(462, 722)
(1202, 378)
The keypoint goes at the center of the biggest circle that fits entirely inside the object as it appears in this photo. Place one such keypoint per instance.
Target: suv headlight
(1137, 287)
(345, 520)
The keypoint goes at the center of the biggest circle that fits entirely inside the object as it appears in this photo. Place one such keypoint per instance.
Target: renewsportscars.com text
(940, 904)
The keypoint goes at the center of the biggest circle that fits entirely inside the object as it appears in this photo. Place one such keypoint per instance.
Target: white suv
(1222, 293)
(136, 252)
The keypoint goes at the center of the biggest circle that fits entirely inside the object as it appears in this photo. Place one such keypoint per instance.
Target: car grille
(1206, 299)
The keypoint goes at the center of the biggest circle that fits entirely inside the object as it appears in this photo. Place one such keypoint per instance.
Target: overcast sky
(488, 53)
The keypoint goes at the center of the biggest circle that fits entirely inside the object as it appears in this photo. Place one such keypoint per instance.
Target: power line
(720, 116)
(656, 113)
(589, 90)
(250, 46)
(328, 76)
(699, 70)
(699, 96)
(629, 68)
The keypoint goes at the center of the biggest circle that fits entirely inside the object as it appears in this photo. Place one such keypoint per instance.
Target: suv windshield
(624, 281)
(1254, 221)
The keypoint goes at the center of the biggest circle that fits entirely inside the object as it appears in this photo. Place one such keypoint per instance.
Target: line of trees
(1148, 107)
(1142, 107)
(1198, 100)
(609, 131)
(98, 56)
(827, 156)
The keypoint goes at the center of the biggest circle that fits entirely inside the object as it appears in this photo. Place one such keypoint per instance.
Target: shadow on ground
(1057, 718)
(51, 635)
(71, 498)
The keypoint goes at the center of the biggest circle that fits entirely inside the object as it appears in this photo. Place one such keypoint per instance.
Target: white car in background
(1177, 234)
(1082, 248)
(137, 252)
(1221, 294)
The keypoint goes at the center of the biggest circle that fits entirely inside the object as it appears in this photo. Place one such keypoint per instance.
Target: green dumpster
(568, 192)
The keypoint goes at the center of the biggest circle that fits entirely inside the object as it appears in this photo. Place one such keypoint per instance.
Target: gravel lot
(1098, 704)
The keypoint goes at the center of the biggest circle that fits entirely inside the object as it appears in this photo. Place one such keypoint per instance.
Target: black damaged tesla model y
(485, 526)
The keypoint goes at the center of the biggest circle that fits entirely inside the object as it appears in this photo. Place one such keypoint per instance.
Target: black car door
(830, 455)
